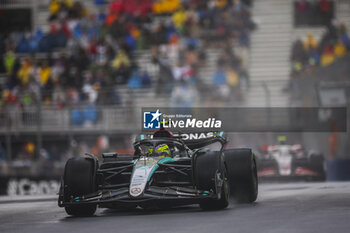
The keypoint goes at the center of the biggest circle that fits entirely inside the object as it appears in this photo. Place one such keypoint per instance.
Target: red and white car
(290, 161)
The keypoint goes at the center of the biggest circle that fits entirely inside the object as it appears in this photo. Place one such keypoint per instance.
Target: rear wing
(199, 143)
(194, 140)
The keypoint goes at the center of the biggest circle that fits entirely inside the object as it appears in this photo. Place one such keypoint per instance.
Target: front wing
(176, 195)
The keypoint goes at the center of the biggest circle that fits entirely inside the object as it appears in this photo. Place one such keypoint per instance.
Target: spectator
(233, 82)
(179, 19)
(24, 72)
(23, 45)
(314, 57)
(165, 6)
(54, 9)
(327, 56)
(146, 80)
(310, 42)
(9, 61)
(343, 36)
(90, 93)
(58, 95)
(121, 60)
(44, 73)
(100, 2)
(135, 80)
(339, 49)
(219, 77)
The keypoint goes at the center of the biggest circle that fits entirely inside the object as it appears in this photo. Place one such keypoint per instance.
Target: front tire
(79, 179)
(220, 203)
(209, 170)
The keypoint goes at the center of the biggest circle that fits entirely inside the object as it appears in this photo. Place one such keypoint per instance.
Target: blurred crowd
(313, 12)
(28, 159)
(85, 58)
(310, 53)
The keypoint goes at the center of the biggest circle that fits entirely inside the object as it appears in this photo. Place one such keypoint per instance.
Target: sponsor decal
(26, 186)
(189, 136)
(135, 191)
(192, 136)
(142, 171)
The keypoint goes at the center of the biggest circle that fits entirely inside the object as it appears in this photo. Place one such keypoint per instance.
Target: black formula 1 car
(290, 161)
(191, 173)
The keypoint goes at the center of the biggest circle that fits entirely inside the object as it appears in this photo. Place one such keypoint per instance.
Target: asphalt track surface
(291, 207)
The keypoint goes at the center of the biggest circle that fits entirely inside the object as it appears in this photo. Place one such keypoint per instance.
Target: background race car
(278, 161)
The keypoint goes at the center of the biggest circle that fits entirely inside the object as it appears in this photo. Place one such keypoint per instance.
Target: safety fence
(33, 119)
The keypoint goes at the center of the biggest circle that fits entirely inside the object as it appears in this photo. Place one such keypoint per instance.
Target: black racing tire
(242, 174)
(206, 167)
(222, 202)
(79, 179)
(317, 164)
(81, 210)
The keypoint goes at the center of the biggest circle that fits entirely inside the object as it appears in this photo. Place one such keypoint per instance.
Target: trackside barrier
(338, 169)
(13, 186)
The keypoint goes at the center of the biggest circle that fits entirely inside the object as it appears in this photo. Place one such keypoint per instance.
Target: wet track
(291, 207)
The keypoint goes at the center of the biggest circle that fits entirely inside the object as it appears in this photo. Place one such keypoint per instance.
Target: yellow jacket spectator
(44, 73)
(9, 61)
(232, 78)
(339, 49)
(24, 72)
(221, 3)
(120, 60)
(310, 42)
(179, 18)
(54, 7)
(328, 56)
(166, 6)
(68, 3)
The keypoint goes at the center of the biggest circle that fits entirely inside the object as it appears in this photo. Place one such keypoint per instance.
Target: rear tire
(79, 179)
(317, 164)
(242, 174)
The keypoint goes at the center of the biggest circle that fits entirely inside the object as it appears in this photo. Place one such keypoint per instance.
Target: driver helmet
(282, 139)
(162, 150)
